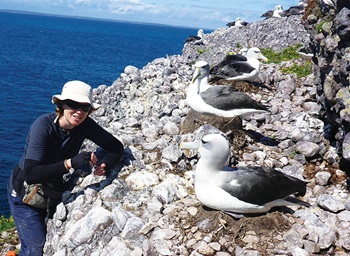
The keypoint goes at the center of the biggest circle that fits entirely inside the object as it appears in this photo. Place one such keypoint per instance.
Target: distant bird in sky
(277, 12)
(239, 189)
(199, 36)
(239, 69)
(218, 100)
(238, 23)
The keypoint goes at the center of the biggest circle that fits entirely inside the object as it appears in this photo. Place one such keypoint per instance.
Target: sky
(205, 14)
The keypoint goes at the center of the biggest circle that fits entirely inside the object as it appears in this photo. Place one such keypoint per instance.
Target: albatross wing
(257, 185)
(226, 98)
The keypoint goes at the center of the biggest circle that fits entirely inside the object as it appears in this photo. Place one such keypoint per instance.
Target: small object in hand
(93, 169)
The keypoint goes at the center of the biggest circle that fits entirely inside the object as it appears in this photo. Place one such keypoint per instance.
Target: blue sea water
(39, 53)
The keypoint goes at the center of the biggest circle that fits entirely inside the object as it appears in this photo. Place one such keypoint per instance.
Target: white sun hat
(77, 91)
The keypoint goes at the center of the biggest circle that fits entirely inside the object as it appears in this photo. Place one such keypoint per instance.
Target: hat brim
(78, 98)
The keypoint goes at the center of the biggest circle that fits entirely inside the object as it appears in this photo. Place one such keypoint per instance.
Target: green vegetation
(300, 70)
(6, 223)
(319, 26)
(11, 239)
(201, 51)
(288, 53)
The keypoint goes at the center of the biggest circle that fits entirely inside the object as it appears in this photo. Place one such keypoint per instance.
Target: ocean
(39, 53)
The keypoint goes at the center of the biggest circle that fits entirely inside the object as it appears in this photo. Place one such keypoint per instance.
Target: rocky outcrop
(147, 206)
(329, 28)
(272, 33)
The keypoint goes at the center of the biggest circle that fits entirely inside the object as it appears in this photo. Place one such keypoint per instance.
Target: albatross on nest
(218, 100)
(238, 23)
(277, 12)
(239, 189)
(238, 69)
(296, 10)
(199, 36)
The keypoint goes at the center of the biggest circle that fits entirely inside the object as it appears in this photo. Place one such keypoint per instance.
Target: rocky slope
(147, 206)
(329, 29)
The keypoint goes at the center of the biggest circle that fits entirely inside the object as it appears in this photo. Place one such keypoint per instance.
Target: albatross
(199, 36)
(236, 68)
(218, 100)
(238, 23)
(242, 190)
(296, 10)
(277, 12)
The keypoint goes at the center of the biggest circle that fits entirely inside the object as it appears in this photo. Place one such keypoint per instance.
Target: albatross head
(202, 69)
(213, 148)
(278, 7)
(200, 33)
(278, 11)
(255, 53)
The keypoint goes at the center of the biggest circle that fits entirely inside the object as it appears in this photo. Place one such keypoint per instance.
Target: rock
(131, 228)
(172, 153)
(84, 229)
(286, 87)
(330, 203)
(344, 216)
(322, 178)
(139, 180)
(171, 128)
(308, 149)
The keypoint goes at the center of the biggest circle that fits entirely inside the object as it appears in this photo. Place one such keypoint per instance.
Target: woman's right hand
(81, 159)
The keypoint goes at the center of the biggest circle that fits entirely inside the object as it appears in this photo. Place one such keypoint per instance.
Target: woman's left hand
(98, 170)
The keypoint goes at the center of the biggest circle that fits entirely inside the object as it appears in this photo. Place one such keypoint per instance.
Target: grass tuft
(288, 53)
(300, 70)
(6, 223)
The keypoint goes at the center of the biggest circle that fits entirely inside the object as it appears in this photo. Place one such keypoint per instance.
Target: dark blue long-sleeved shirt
(47, 146)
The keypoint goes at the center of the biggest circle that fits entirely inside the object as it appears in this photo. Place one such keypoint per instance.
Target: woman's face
(75, 113)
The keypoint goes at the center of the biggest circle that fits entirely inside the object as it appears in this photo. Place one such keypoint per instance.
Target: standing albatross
(218, 100)
(236, 68)
(239, 189)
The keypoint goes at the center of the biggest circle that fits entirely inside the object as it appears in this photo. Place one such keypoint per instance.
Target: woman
(51, 154)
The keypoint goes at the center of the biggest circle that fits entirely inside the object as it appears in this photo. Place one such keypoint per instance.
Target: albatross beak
(196, 74)
(262, 57)
(189, 145)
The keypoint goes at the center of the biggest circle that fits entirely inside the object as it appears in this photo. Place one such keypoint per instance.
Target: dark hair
(59, 109)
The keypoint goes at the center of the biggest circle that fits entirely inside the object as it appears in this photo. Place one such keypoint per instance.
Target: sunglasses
(76, 105)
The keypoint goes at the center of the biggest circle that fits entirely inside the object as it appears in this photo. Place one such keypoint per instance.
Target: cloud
(133, 6)
(191, 13)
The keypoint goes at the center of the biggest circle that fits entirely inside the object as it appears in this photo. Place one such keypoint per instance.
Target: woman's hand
(98, 170)
(81, 159)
